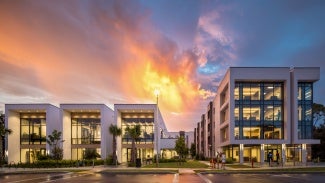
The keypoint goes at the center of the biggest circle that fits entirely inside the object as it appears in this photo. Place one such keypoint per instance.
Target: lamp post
(157, 127)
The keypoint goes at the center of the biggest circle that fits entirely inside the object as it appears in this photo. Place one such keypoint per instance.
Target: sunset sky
(115, 52)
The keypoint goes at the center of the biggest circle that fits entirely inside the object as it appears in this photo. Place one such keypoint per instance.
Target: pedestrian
(269, 157)
(223, 161)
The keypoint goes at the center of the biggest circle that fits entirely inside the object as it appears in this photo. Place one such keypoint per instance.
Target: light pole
(157, 127)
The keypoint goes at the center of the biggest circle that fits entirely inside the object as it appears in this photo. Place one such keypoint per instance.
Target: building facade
(265, 110)
(30, 123)
(83, 126)
(149, 144)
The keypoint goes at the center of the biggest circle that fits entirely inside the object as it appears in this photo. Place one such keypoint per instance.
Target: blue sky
(120, 51)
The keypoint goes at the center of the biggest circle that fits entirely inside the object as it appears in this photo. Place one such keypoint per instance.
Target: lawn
(188, 164)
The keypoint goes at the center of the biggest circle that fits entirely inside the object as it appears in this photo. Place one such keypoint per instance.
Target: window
(86, 130)
(32, 130)
(146, 122)
(259, 113)
(305, 101)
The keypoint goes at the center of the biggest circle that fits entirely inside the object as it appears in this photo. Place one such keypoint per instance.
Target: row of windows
(258, 110)
(258, 91)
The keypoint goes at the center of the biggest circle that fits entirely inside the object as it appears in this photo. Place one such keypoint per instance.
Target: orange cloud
(98, 52)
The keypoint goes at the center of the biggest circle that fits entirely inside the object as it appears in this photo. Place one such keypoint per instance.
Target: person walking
(277, 157)
(269, 157)
(223, 161)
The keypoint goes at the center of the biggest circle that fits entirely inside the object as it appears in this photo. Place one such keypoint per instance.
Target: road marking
(176, 176)
(204, 178)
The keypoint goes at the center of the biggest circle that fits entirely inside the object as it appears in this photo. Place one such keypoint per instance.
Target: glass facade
(85, 133)
(258, 110)
(85, 130)
(146, 139)
(32, 136)
(33, 129)
(305, 102)
(147, 129)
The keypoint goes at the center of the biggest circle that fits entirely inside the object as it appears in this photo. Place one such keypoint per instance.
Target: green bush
(229, 161)
(109, 160)
(50, 163)
(130, 164)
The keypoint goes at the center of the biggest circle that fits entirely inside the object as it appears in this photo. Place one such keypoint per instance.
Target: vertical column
(262, 154)
(283, 154)
(241, 153)
(304, 154)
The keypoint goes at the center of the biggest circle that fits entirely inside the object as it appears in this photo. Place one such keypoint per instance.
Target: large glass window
(85, 130)
(32, 130)
(259, 113)
(146, 122)
(305, 101)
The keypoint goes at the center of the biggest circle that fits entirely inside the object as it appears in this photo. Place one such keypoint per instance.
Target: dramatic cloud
(92, 51)
(121, 51)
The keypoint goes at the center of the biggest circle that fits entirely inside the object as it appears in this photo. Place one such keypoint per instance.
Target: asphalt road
(85, 177)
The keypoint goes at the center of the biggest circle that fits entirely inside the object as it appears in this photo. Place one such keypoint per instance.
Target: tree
(180, 147)
(3, 132)
(115, 131)
(193, 150)
(134, 133)
(318, 114)
(91, 154)
(318, 150)
(54, 141)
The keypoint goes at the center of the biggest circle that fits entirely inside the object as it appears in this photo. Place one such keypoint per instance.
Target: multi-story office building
(263, 110)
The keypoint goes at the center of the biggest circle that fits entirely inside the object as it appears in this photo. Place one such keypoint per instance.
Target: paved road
(87, 177)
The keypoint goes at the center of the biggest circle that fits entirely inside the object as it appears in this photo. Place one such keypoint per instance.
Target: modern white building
(148, 116)
(83, 126)
(259, 110)
(86, 126)
(30, 123)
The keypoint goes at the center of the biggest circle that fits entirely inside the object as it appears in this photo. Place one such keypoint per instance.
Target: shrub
(229, 161)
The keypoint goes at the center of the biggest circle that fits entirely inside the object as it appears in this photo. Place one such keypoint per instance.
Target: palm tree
(3, 132)
(115, 131)
(134, 133)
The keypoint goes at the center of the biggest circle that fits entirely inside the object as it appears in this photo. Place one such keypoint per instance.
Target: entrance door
(128, 154)
(274, 154)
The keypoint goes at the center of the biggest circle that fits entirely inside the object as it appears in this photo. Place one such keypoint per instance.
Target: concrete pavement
(122, 168)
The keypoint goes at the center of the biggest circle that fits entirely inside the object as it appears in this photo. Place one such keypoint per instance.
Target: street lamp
(157, 92)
